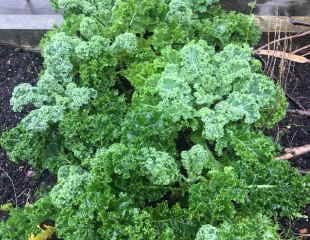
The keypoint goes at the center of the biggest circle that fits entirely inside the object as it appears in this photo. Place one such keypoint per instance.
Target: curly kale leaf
(70, 186)
(41, 150)
(76, 223)
(196, 160)
(207, 232)
(79, 96)
(252, 155)
(28, 147)
(76, 216)
(137, 16)
(144, 174)
(185, 10)
(247, 143)
(89, 27)
(126, 42)
(276, 188)
(40, 119)
(161, 166)
(180, 11)
(57, 53)
(201, 86)
(94, 48)
(143, 228)
(202, 6)
(219, 194)
(255, 227)
(230, 27)
(25, 94)
(55, 91)
(145, 124)
(127, 162)
(84, 132)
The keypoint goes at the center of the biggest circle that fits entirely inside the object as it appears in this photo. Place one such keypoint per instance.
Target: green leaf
(207, 232)
(196, 160)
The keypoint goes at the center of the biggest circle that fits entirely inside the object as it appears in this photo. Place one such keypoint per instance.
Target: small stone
(30, 173)
(303, 231)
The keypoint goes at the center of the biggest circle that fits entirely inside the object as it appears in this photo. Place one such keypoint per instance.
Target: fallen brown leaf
(283, 55)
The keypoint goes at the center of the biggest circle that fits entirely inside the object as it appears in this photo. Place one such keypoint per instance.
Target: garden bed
(19, 183)
(154, 117)
(294, 130)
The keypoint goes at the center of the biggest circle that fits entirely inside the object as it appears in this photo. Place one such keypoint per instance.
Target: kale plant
(152, 113)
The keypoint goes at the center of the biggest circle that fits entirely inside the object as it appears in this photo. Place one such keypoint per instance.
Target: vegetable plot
(151, 113)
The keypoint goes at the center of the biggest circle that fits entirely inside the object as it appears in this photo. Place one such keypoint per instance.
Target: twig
(306, 54)
(300, 112)
(294, 152)
(285, 38)
(297, 103)
(12, 182)
(302, 235)
(300, 49)
(299, 23)
(290, 64)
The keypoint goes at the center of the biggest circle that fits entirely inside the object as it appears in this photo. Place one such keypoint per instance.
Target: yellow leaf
(6, 207)
(46, 233)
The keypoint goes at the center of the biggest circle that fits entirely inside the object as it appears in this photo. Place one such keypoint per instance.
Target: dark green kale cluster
(151, 115)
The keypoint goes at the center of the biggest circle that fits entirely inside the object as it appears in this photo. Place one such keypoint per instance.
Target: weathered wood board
(281, 23)
(26, 30)
(25, 7)
(23, 22)
(30, 22)
(270, 7)
(263, 7)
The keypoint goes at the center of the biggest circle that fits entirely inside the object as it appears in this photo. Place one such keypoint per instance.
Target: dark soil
(294, 130)
(18, 182)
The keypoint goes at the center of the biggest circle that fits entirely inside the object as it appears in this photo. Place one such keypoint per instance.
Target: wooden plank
(25, 7)
(29, 22)
(270, 7)
(26, 39)
(281, 23)
(46, 22)
(26, 30)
